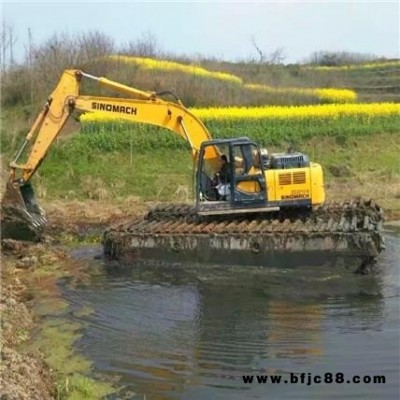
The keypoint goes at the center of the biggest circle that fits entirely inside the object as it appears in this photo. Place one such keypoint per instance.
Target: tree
(274, 58)
(336, 58)
(145, 46)
(7, 42)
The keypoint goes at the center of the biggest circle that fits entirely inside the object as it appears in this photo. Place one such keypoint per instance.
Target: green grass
(157, 174)
(372, 84)
(124, 136)
(151, 175)
(55, 341)
(80, 387)
(276, 131)
(113, 161)
(376, 154)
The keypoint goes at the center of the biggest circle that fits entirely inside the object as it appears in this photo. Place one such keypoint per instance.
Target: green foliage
(55, 340)
(80, 387)
(86, 166)
(275, 131)
(108, 137)
(150, 175)
(111, 137)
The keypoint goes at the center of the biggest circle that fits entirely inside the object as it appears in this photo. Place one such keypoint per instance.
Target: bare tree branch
(258, 49)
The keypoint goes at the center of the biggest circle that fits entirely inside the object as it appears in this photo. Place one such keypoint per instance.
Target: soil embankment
(38, 360)
(24, 375)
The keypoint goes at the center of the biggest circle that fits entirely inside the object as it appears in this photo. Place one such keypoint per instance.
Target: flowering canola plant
(298, 112)
(326, 94)
(265, 125)
(164, 65)
(353, 66)
(277, 112)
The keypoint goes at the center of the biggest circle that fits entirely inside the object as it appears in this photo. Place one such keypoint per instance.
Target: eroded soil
(24, 375)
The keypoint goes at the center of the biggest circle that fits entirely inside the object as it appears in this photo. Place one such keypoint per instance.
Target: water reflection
(177, 332)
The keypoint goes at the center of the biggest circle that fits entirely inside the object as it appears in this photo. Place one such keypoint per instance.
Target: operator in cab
(224, 172)
(224, 179)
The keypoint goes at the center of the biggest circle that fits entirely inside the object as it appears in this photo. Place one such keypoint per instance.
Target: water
(190, 333)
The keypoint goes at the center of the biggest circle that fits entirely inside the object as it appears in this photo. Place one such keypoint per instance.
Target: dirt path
(80, 219)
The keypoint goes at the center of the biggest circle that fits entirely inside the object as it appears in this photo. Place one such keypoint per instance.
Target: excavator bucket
(21, 217)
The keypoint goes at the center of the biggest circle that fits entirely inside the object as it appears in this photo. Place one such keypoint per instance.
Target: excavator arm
(21, 215)
(148, 109)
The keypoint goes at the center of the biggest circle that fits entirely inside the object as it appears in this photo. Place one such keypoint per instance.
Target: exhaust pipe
(21, 216)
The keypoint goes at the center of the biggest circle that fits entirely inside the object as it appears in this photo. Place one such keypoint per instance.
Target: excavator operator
(224, 172)
(223, 179)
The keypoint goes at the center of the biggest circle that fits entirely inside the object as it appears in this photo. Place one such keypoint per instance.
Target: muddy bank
(86, 220)
(25, 375)
(38, 360)
(30, 294)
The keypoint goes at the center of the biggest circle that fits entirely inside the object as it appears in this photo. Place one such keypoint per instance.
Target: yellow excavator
(233, 176)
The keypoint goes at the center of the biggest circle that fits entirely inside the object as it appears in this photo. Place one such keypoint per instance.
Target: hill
(353, 148)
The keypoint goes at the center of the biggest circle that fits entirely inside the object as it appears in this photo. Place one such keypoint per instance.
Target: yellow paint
(151, 110)
(289, 184)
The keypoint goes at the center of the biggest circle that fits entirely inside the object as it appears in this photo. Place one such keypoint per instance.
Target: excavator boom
(19, 206)
(149, 109)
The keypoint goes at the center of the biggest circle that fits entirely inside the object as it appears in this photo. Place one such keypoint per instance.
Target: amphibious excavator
(239, 186)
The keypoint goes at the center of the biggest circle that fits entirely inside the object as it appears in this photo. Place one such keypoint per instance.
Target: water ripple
(193, 334)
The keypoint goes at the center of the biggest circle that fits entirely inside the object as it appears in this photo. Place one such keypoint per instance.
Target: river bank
(24, 375)
(38, 360)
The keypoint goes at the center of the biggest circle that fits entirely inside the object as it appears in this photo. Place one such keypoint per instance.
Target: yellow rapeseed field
(354, 66)
(150, 63)
(331, 95)
(326, 94)
(277, 112)
(298, 112)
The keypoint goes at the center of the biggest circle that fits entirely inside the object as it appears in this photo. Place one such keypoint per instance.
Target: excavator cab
(234, 182)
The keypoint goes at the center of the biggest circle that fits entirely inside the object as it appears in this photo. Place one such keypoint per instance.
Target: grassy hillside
(372, 83)
(104, 161)
(208, 83)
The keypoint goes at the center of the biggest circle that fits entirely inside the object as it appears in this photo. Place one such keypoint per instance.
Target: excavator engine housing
(291, 160)
(252, 182)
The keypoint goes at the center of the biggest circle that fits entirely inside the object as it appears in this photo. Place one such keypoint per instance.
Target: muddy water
(192, 333)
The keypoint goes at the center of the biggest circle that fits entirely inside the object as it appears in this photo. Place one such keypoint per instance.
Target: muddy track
(349, 229)
(356, 215)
